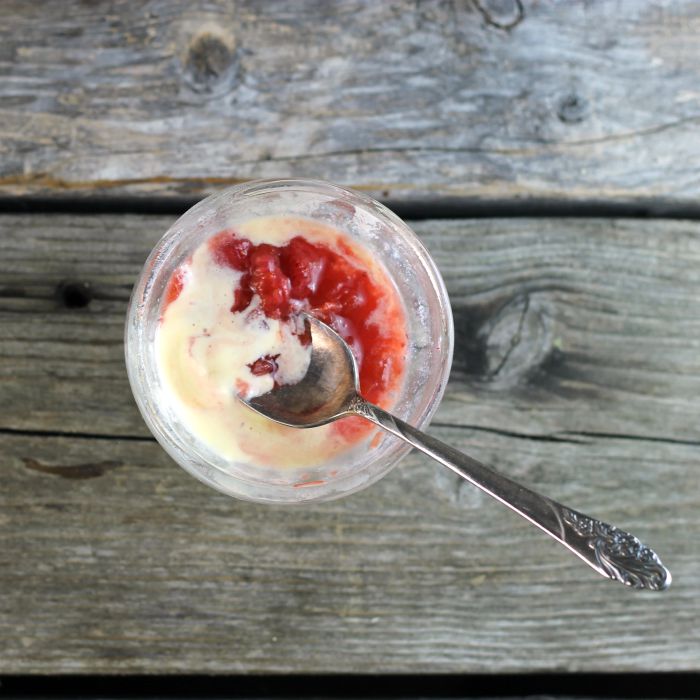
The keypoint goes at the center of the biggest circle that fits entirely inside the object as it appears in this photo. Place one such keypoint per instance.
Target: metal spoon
(330, 390)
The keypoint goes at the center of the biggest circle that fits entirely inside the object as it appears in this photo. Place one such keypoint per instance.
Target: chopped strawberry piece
(242, 295)
(303, 263)
(230, 251)
(305, 335)
(348, 289)
(264, 365)
(174, 287)
(269, 282)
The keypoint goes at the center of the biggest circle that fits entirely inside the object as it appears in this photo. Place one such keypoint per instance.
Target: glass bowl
(410, 268)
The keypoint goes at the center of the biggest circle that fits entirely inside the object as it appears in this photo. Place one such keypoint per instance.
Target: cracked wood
(575, 372)
(473, 99)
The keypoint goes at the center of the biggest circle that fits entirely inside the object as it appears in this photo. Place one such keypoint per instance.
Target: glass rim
(158, 258)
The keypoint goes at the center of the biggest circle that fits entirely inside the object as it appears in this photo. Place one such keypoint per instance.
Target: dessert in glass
(216, 317)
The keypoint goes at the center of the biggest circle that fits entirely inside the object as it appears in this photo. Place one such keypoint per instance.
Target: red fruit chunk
(264, 365)
(230, 251)
(347, 290)
(303, 333)
(242, 295)
(175, 285)
(304, 264)
(269, 282)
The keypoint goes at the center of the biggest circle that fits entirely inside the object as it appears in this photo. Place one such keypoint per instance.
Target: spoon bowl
(326, 392)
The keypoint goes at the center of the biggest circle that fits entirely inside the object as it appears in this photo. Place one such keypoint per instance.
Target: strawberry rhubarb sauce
(230, 327)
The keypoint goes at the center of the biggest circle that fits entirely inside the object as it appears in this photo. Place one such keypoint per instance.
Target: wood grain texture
(549, 314)
(482, 99)
(575, 371)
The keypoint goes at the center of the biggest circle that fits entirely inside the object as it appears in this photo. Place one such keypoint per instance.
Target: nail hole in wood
(74, 295)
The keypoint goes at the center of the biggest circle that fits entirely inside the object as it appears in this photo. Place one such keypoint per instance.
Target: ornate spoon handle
(613, 553)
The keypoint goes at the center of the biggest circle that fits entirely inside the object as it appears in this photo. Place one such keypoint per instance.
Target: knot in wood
(502, 14)
(515, 341)
(572, 108)
(209, 64)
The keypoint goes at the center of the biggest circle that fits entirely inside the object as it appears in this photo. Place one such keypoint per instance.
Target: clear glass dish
(409, 266)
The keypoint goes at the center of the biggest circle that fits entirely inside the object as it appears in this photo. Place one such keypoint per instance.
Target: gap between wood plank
(76, 436)
(578, 685)
(418, 210)
(568, 437)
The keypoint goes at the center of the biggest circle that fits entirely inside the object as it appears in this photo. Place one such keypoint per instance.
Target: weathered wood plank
(563, 326)
(573, 327)
(478, 99)
(114, 560)
(144, 569)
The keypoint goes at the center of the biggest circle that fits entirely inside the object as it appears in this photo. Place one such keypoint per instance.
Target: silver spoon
(330, 390)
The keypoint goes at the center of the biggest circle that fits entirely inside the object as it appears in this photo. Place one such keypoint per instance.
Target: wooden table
(548, 156)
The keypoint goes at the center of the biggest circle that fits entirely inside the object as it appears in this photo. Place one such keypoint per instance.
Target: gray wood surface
(484, 99)
(576, 371)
